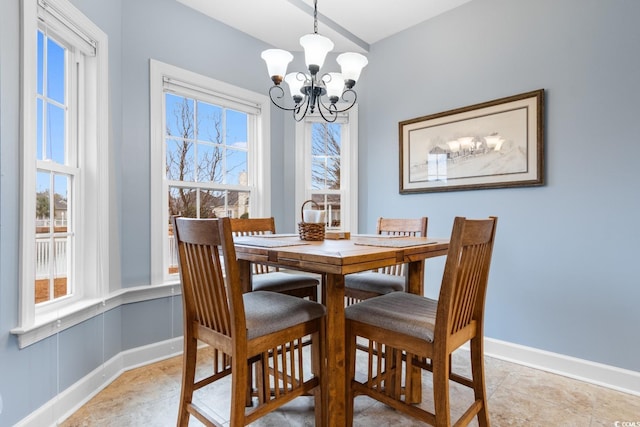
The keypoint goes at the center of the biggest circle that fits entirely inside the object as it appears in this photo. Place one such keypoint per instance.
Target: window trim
(259, 163)
(349, 157)
(93, 190)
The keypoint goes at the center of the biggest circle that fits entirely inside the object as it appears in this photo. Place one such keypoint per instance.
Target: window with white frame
(327, 167)
(65, 160)
(209, 146)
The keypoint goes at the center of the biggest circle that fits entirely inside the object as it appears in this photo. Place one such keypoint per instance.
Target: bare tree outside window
(325, 169)
(325, 149)
(197, 151)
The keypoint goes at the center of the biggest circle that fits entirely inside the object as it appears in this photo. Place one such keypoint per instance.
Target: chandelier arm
(332, 110)
(350, 104)
(281, 96)
(296, 113)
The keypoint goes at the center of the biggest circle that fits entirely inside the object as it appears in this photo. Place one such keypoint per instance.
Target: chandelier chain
(315, 16)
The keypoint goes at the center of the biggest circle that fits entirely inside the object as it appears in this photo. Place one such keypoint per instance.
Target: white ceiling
(352, 25)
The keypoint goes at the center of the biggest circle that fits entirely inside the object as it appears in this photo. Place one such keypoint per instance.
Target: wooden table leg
(336, 370)
(415, 285)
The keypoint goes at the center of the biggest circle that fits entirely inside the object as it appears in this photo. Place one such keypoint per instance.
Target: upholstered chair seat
(381, 282)
(269, 312)
(400, 312)
(278, 281)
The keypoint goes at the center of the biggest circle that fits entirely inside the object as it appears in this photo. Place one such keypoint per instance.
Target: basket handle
(302, 208)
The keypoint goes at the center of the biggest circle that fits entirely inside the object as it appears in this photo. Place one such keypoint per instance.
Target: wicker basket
(310, 230)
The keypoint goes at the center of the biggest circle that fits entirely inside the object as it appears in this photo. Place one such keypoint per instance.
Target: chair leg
(441, 391)
(317, 360)
(249, 396)
(479, 386)
(238, 388)
(189, 360)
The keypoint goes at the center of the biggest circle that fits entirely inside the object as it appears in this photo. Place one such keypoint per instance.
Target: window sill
(52, 323)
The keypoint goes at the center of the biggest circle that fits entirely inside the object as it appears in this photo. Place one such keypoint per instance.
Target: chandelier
(312, 91)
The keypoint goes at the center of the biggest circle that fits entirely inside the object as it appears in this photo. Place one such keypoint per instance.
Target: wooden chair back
(254, 227)
(416, 227)
(403, 226)
(210, 306)
(464, 283)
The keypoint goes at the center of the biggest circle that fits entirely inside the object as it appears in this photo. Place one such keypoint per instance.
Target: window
(209, 140)
(327, 168)
(65, 174)
(56, 172)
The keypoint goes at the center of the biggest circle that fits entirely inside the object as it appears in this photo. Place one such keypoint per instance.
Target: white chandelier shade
(277, 61)
(351, 65)
(315, 48)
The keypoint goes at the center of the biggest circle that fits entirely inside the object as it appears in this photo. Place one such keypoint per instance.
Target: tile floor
(518, 396)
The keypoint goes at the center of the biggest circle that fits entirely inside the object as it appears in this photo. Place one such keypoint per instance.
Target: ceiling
(353, 25)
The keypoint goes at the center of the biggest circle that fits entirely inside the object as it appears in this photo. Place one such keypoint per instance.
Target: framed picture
(495, 144)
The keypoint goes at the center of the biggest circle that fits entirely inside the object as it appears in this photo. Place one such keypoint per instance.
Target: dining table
(333, 260)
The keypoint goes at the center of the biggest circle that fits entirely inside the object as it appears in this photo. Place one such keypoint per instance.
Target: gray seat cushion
(401, 312)
(278, 281)
(268, 312)
(375, 282)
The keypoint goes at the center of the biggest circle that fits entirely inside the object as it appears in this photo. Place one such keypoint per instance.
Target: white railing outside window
(44, 259)
(172, 261)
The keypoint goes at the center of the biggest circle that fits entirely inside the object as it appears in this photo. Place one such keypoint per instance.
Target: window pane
(236, 129)
(238, 204)
(40, 71)
(333, 173)
(213, 204)
(43, 203)
(180, 161)
(334, 212)
(210, 163)
(55, 134)
(39, 135)
(318, 173)
(331, 203)
(325, 139)
(209, 122)
(236, 167)
(325, 163)
(179, 116)
(42, 260)
(53, 238)
(55, 71)
(61, 244)
(61, 212)
(172, 261)
(183, 202)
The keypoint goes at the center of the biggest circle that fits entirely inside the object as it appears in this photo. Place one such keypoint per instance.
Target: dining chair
(362, 286)
(261, 329)
(267, 278)
(408, 333)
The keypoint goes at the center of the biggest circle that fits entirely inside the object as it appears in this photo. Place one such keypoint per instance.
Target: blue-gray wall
(565, 269)
(564, 277)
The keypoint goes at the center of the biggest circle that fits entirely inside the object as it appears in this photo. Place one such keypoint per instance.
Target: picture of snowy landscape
(484, 146)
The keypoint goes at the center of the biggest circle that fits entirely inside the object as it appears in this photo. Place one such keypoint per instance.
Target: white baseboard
(67, 402)
(70, 400)
(623, 380)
